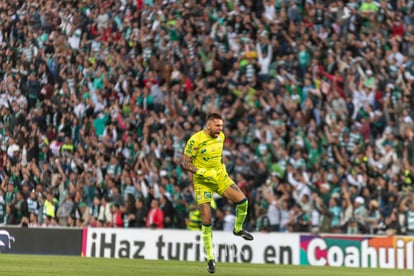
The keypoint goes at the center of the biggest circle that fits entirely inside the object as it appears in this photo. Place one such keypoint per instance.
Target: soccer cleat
(211, 266)
(244, 234)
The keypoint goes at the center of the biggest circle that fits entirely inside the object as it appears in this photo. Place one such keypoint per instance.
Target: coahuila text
(363, 256)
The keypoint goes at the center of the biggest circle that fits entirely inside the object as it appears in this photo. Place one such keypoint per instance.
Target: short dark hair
(214, 116)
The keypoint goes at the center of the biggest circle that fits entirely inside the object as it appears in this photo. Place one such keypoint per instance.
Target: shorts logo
(207, 195)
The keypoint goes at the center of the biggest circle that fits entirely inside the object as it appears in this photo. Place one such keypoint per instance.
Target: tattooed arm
(187, 164)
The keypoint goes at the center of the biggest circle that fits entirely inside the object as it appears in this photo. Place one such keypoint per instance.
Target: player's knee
(242, 205)
(205, 210)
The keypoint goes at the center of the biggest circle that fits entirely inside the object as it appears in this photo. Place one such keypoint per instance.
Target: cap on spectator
(82, 204)
(325, 186)
(390, 85)
(14, 148)
(335, 195)
(377, 113)
(360, 200)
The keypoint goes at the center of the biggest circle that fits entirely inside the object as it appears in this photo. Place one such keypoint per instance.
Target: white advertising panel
(187, 245)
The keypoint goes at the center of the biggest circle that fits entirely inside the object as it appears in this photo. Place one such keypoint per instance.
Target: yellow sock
(241, 213)
(207, 231)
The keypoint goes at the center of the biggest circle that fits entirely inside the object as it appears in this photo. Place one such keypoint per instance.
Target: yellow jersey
(205, 150)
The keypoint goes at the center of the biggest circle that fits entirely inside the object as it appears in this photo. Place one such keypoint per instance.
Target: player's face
(214, 127)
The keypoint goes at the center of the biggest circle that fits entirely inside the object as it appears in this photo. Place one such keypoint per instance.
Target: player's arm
(190, 152)
(187, 164)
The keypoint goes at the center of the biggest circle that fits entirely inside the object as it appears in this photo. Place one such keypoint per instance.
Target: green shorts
(204, 189)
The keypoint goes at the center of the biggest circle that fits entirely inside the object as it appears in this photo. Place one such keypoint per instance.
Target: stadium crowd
(98, 98)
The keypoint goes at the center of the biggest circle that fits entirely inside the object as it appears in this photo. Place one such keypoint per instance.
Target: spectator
(21, 207)
(194, 218)
(272, 213)
(49, 208)
(130, 211)
(300, 221)
(83, 213)
(33, 221)
(11, 215)
(373, 217)
(168, 211)
(140, 213)
(2, 207)
(262, 221)
(218, 220)
(229, 218)
(155, 217)
(64, 210)
(117, 215)
(105, 216)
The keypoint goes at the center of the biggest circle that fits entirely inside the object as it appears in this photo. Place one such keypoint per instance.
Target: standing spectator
(155, 217)
(11, 215)
(64, 210)
(168, 211)
(2, 206)
(229, 219)
(300, 221)
(262, 221)
(21, 207)
(373, 217)
(130, 211)
(194, 218)
(360, 212)
(49, 208)
(140, 213)
(273, 212)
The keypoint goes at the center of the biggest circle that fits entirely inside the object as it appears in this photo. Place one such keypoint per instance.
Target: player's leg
(233, 193)
(203, 196)
(207, 234)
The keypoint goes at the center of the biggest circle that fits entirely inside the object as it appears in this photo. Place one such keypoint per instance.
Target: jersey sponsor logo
(207, 195)
(190, 144)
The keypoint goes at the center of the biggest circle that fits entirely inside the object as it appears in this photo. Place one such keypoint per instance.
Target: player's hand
(210, 174)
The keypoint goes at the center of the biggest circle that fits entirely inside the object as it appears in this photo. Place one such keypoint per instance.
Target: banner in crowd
(188, 246)
(55, 241)
(357, 251)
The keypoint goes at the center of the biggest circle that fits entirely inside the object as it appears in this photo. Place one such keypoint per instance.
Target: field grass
(11, 265)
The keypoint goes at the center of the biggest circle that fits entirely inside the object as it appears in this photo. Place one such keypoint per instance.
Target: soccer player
(203, 158)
